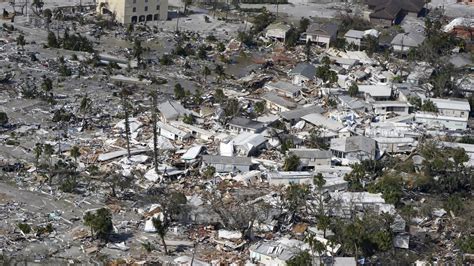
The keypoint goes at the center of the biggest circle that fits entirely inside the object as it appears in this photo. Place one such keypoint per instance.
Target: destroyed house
(356, 148)
(272, 253)
(354, 37)
(323, 122)
(247, 144)
(452, 114)
(376, 92)
(277, 103)
(284, 88)
(396, 145)
(385, 107)
(352, 103)
(389, 12)
(242, 124)
(277, 31)
(347, 202)
(321, 33)
(403, 42)
(172, 110)
(295, 115)
(171, 132)
(287, 178)
(310, 158)
(227, 164)
(302, 73)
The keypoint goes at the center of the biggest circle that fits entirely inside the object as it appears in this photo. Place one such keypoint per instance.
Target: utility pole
(277, 2)
(177, 21)
(27, 15)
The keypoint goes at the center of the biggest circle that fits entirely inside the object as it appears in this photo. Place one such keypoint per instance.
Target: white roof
(390, 103)
(462, 105)
(249, 138)
(192, 153)
(354, 34)
(358, 197)
(171, 129)
(464, 22)
(376, 90)
(318, 119)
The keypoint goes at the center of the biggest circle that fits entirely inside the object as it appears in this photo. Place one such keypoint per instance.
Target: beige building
(134, 11)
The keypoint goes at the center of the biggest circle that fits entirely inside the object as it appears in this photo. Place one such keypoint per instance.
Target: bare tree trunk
(164, 244)
(155, 129)
(177, 20)
(194, 253)
(127, 123)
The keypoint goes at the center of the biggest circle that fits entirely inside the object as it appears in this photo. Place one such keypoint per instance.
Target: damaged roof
(354, 144)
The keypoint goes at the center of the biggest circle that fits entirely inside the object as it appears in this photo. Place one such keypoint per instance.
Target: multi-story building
(134, 11)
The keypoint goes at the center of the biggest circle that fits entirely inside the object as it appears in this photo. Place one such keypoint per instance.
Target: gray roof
(274, 98)
(246, 123)
(230, 160)
(279, 26)
(461, 60)
(320, 120)
(300, 112)
(172, 109)
(304, 69)
(274, 250)
(283, 86)
(410, 40)
(357, 34)
(354, 144)
(311, 153)
(351, 102)
(328, 29)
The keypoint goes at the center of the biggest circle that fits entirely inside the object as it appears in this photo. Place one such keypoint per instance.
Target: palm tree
(20, 41)
(58, 16)
(186, 4)
(48, 14)
(137, 50)
(48, 151)
(206, 72)
(125, 106)
(154, 120)
(38, 4)
(85, 106)
(75, 153)
(219, 70)
(161, 229)
(38, 150)
(316, 247)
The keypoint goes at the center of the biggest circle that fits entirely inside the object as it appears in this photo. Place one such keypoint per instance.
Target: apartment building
(134, 11)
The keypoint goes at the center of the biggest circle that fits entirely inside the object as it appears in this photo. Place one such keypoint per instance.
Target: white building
(321, 34)
(171, 132)
(134, 11)
(284, 89)
(354, 37)
(277, 31)
(385, 107)
(303, 73)
(403, 42)
(310, 158)
(276, 253)
(452, 114)
(377, 92)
